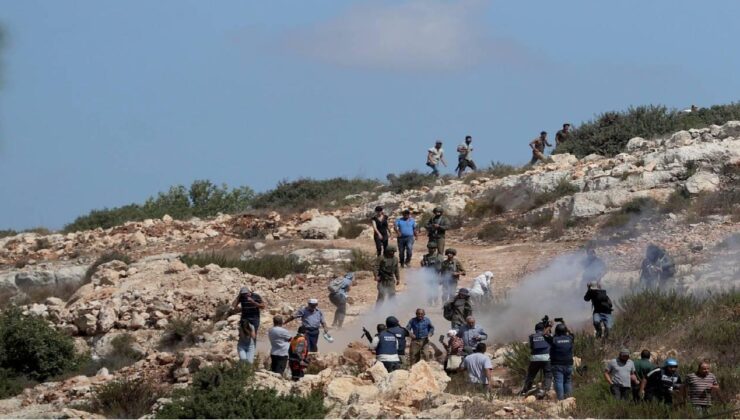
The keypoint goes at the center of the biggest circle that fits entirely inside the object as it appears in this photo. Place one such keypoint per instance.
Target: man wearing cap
(436, 228)
(312, 319)
(406, 231)
(338, 294)
(387, 275)
(471, 334)
(461, 308)
(251, 304)
(380, 230)
(435, 155)
(450, 270)
(620, 375)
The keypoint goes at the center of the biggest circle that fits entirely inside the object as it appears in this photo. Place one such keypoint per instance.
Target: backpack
(336, 285)
(448, 310)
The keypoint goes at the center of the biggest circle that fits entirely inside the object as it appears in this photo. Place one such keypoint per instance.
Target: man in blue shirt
(406, 232)
(311, 318)
(471, 335)
(420, 329)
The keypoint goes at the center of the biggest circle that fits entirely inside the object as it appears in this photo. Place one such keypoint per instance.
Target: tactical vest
(387, 268)
(400, 335)
(449, 266)
(561, 350)
(387, 343)
(538, 344)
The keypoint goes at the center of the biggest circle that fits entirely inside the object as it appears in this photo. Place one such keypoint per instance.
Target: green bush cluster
(562, 189)
(351, 229)
(410, 180)
(493, 231)
(203, 199)
(272, 266)
(124, 398)
(30, 348)
(226, 392)
(309, 193)
(361, 261)
(608, 133)
(179, 332)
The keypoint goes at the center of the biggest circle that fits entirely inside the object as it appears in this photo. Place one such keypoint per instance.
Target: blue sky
(105, 102)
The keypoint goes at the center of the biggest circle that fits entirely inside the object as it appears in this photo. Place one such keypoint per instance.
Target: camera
(561, 320)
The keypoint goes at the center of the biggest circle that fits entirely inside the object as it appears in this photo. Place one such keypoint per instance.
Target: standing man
(620, 375)
(561, 360)
(471, 335)
(338, 293)
(602, 307)
(387, 275)
(458, 309)
(436, 229)
(279, 345)
(463, 159)
(657, 267)
(538, 148)
(563, 135)
(400, 332)
(642, 368)
(539, 359)
(479, 367)
(661, 383)
(420, 329)
(435, 155)
(380, 230)
(451, 269)
(406, 231)
(251, 304)
(385, 345)
(311, 320)
(432, 264)
(700, 387)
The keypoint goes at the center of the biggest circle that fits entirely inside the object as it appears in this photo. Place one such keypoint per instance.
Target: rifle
(366, 334)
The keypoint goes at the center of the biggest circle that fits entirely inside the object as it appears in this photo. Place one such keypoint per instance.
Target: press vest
(561, 350)
(387, 343)
(538, 344)
(400, 335)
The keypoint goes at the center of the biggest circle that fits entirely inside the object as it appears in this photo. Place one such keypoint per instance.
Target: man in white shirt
(435, 155)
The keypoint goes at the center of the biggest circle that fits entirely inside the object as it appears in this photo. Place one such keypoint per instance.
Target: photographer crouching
(539, 359)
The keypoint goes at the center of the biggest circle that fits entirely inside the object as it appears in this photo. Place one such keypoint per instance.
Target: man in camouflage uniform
(432, 264)
(436, 228)
(450, 270)
(387, 275)
(657, 267)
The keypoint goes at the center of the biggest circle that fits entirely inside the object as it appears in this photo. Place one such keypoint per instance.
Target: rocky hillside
(54, 276)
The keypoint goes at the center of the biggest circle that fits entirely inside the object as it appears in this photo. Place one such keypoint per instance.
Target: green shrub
(595, 401)
(203, 199)
(11, 384)
(411, 180)
(488, 205)
(493, 231)
(308, 193)
(517, 360)
(501, 170)
(269, 266)
(361, 261)
(562, 189)
(351, 229)
(677, 201)
(225, 392)
(632, 210)
(609, 132)
(124, 398)
(105, 258)
(7, 232)
(642, 314)
(30, 347)
(179, 332)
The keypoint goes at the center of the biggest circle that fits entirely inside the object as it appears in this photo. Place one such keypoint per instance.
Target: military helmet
(431, 245)
(391, 248)
(449, 251)
(438, 210)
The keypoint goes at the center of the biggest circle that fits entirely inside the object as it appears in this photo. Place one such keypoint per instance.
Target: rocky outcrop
(320, 227)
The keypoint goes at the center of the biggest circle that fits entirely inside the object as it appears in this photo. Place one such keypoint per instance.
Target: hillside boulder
(702, 182)
(320, 227)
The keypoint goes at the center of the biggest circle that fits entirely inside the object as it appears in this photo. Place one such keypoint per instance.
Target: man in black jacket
(539, 359)
(561, 360)
(602, 308)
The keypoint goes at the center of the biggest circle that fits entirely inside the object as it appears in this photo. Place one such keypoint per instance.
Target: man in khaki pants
(420, 329)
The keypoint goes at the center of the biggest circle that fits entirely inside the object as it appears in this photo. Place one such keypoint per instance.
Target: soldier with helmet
(450, 270)
(432, 264)
(436, 228)
(387, 274)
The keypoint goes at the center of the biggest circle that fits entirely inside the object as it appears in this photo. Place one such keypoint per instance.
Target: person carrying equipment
(437, 228)
(458, 309)
(385, 345)
(451, 269)
(387, 275)
(657, 267)
(400, 332)
(539, 359)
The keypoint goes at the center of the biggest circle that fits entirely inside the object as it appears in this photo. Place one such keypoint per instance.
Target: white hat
(313, 301)
(452, 333)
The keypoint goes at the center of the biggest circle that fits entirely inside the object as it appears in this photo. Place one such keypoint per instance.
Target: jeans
(278, 363)
(246, 350)
(312, 336)
(435, 172)
(608, 323)
(380, 244)
(563, 379)
(532, 371)
(620, 392)
(340, 301)
(405, 246)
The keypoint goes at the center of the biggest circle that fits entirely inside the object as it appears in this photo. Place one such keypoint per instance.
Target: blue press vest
(538, 344)
(561, 350)
(401, 337)
(387, 343)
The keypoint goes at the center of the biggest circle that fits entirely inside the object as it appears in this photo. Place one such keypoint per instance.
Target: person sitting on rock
(298, 354)
(454, 347)
(385, 345)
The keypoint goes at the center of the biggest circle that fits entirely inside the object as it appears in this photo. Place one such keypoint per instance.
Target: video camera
(546, 320)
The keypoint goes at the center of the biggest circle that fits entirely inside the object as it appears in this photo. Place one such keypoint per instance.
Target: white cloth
(436, 154)
(481, 284)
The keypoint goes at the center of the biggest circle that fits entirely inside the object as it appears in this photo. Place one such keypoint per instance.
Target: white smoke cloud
(411, 35)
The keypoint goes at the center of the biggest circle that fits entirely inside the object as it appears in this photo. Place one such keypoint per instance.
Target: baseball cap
(243, 290)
